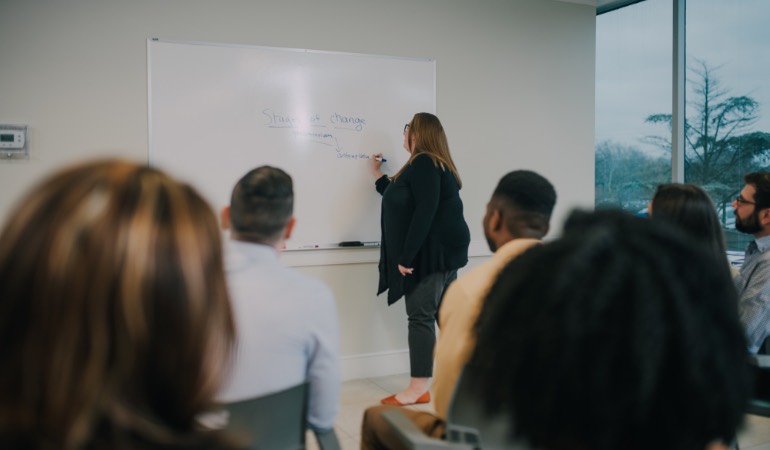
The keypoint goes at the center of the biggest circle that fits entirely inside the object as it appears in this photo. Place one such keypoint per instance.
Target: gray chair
(467, 425)
(413, 438)
(277, 421)
(759, 404)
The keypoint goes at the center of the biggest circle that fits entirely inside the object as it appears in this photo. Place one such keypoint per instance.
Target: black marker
(359, 244)
(381, 159)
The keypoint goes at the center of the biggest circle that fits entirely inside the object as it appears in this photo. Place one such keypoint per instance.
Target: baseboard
(371, 365)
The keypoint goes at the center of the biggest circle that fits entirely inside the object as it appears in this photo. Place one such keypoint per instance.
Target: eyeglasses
(741, 201)
(406, 127)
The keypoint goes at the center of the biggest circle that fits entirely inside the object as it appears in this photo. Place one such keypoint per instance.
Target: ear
(224, 217)
(496, 220)
(289, 228)
(764, 217)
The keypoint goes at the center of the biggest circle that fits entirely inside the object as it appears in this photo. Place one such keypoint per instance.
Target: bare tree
(626, 177)
(719, 146)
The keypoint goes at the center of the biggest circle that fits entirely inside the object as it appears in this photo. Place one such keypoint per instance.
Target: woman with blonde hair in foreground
(115, 324)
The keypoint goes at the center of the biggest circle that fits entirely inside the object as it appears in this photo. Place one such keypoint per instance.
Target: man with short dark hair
(286, 322)
(752, 216)
(517, 218)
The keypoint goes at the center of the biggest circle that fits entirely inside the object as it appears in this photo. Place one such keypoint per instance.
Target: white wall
(515, 89)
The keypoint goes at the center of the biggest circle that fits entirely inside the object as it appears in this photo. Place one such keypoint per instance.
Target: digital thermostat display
(12, 139)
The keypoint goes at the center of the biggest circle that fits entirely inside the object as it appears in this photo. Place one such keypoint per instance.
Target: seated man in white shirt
(286, 321)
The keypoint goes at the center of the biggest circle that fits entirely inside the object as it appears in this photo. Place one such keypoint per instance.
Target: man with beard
(752, 216)
(517, 218)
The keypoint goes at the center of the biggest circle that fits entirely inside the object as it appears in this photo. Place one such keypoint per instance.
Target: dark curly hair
(622, 334)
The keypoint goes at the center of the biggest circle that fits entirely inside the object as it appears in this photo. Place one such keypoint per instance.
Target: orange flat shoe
(424, 398)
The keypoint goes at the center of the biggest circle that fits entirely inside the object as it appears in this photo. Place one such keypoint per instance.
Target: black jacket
(422, 226)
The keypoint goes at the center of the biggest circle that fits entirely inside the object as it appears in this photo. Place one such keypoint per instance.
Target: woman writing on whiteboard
(424, 241)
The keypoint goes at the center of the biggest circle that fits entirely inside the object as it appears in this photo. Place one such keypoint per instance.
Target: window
(633, 81)
(728, 95)
(727, 131)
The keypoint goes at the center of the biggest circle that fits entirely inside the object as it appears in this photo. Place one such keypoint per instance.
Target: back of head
(114, 315)
(621, 334)
(428, 136)
(261, 205)
(689, 207)
(761, 182)
(526, 199)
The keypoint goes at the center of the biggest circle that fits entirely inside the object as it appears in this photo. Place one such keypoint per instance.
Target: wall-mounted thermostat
(13, 142)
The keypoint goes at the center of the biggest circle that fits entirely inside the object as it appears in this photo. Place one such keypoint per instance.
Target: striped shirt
(753, 284)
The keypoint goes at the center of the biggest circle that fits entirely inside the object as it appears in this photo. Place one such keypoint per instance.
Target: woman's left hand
(405, 270)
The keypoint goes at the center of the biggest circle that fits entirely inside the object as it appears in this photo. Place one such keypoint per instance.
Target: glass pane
(728, 95)
(633, 83)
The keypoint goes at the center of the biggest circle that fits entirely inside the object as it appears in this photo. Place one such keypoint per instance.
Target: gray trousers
(422, 312)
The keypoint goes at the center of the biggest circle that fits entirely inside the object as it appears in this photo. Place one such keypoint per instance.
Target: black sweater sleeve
(381, 184)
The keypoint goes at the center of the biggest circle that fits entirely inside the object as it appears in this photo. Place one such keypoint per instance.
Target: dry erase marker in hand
(381, 159)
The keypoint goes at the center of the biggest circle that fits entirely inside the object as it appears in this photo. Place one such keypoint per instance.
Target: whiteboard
(217, 110)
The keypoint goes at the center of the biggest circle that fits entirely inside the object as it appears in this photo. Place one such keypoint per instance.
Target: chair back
(759, 405)
(468, 426)
(275, 421)
(468, 423)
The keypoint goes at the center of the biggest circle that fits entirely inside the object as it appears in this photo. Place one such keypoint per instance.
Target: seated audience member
(516, 219)
(115, 324)
(752, 216)
(286, 321)
(689, 207)
(622, 334)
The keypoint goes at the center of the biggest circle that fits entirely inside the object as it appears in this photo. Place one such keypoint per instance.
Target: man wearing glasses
(752, 216)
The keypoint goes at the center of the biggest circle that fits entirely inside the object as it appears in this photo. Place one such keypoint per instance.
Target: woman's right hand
(375, 165)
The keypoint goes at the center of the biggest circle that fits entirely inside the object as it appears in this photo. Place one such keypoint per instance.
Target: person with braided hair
(623, 333)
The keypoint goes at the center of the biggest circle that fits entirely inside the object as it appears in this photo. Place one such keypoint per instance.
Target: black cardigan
(422, 226)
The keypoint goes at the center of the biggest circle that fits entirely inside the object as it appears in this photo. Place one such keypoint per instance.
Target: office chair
(468, 422)
(277, 421)
(413, 438)
(759, 404)
(468, 426)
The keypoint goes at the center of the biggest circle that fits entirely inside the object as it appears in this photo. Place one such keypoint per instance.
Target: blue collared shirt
(287, 330)
(753, 284)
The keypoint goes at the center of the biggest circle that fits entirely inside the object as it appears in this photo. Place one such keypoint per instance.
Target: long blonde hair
(426, 135)
(115, 320)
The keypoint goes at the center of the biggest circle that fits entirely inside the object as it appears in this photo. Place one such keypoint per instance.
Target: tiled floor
(357, 395)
